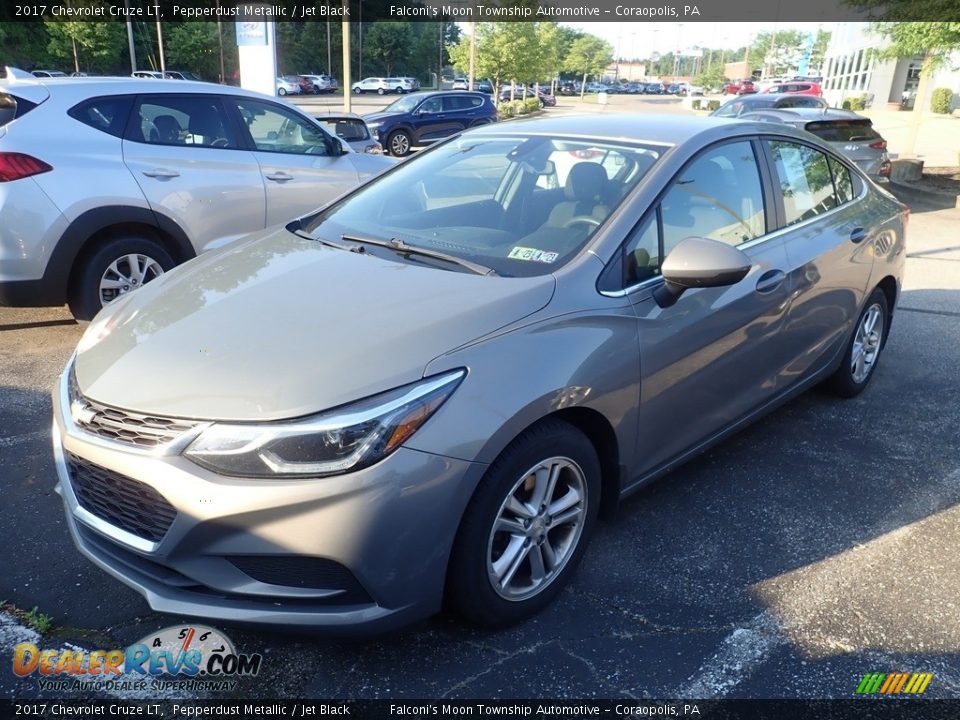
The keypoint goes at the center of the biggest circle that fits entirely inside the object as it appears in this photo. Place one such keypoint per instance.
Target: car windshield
(735, 108)
(404, 105)
(521, 205)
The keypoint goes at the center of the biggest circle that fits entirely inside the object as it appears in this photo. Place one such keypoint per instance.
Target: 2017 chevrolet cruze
(428, 389)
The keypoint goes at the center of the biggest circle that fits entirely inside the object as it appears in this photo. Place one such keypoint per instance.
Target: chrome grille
(147, 431)
(121, 501)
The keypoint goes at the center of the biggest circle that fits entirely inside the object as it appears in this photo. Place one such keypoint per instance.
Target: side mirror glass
(699, 262)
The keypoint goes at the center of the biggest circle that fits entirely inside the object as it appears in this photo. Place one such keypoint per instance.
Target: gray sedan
(429, 389)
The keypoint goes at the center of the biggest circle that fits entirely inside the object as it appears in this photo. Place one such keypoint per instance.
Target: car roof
(81, 88)
(655, 129)
(810, 114)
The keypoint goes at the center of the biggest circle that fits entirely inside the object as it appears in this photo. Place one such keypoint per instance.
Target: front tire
(119, 266)
(357, 91)
(526, 526)
(399, 143)
(863, 351)
(281, 92)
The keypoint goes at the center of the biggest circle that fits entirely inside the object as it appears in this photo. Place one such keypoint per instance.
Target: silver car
(849, 133)
(107, 183)
(353, 130)
(429, 389)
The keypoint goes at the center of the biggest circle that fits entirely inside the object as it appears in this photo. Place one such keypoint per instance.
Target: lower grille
(121, 501)
(303, 572)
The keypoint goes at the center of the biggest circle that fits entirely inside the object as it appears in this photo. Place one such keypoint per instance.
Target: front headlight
(334, 442)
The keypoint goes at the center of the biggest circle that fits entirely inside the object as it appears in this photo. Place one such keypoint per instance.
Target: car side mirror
(698, 262)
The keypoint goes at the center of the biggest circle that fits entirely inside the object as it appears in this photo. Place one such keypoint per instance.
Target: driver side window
(433, 105)
(275, 129)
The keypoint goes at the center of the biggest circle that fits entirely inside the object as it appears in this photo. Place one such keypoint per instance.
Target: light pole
(133, 50)
(163, 62)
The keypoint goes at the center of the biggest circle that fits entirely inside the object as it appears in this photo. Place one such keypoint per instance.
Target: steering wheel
(220, 142)
(582, 220)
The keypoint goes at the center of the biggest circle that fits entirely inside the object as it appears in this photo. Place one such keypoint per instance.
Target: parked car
(360, 467)
(378, 85)
(286, 86)
(353, 130)
(48, 73)
(412, 82)
(401, 85)
(596, 87)
(694, 90)
(460, 83)
(796, 87)
(749, 103)
(847, 132)
(739, 87)
(425, 117)
(567, 88)
(545, 99)
(147, 74)
(107, 184)
(654, 89)
(182, 75)
(484, 86)
(323, 83)
(303, 83)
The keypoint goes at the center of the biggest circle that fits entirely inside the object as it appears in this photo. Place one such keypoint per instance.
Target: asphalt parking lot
(815, 547)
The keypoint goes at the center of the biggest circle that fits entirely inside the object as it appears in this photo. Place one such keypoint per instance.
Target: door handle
(770, 281)
(858, 235)
(161, 173)
(280, 177)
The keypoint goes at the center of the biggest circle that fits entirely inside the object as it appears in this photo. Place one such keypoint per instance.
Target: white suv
(107, 183)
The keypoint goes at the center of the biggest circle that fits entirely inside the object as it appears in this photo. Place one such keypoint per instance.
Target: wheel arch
(890, 289)
(89, 230)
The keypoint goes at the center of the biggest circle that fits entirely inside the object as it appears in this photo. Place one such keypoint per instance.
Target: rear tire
(526, 526)
(281, 92)
(381, 91)
(119, 266)
(863, 351)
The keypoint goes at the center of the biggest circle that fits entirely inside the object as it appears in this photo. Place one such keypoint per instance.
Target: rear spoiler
(22, 84)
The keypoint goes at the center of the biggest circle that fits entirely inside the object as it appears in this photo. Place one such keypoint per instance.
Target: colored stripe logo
(894, 683)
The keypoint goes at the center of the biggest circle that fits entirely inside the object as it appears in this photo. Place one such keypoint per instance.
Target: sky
(639, 39)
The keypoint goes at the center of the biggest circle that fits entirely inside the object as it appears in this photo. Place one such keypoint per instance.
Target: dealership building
(851, 70)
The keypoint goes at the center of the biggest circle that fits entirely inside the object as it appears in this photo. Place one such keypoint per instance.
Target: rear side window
(107, 114)
(841, 181)
(805, 180)
(347, 129)
(461, 102)
(13, 107)
(843, 130)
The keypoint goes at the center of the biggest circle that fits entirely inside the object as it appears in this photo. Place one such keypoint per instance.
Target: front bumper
(364, 552)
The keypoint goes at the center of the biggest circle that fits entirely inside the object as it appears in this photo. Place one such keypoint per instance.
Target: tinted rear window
(12, 107)
(107, 114)
(843, 130)
(347, 129)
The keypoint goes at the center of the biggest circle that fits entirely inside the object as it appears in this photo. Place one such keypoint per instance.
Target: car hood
(278, 326)
(380, 117)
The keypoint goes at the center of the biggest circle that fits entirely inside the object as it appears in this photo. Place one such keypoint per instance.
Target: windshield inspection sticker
(532, 254)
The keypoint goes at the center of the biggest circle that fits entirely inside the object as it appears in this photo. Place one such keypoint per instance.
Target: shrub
(857, 102)
(713, 105)
(518, 107)
(505, 111)
(532, 104)
(941, 100)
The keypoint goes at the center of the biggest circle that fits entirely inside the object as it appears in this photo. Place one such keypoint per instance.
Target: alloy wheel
(537, 529)
(127, 273)
(866, 343)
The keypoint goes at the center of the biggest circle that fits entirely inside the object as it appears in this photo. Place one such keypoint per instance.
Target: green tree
(193, 46)
(85, 45)
(504, 52)
(777, 52)
(588, 55)
(819, 50)
(387, 44)
(24, 45)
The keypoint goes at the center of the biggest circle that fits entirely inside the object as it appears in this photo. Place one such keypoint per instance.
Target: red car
(740, 87)
(796, 87)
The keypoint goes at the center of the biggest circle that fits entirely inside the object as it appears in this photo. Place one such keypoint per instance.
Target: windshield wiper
(403, 248)
(300, 232)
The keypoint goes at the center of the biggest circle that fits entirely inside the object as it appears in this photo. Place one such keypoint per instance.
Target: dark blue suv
(423, 118)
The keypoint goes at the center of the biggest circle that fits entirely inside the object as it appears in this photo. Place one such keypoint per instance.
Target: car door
(185, 154)
(716, 354)
(432, 119)
(301, 165)
(829, 244)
